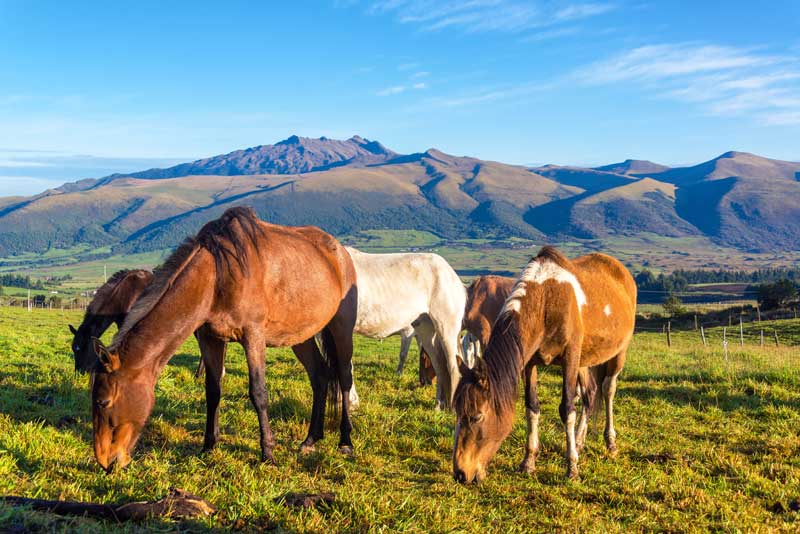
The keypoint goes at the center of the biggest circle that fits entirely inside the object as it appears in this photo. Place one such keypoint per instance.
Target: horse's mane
(503, 366)
(107, 291)
(220, 237)
(549, 252)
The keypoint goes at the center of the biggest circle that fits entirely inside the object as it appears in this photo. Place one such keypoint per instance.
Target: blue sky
(94, 88)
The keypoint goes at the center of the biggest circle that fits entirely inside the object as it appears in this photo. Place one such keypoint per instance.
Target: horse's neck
(182, 309)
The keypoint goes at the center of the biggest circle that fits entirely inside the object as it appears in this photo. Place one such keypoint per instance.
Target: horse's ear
(73, 330)
(482, 374)
(109, 360)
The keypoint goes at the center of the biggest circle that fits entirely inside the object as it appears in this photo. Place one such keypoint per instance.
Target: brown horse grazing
(576, 314)
(485, 298)
(239, 279)
(111, 304)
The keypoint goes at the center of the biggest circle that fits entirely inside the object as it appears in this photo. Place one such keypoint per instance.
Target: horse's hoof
(346, 450)
(612, 451)
(572, 471)
(267, 457)
(527, 466)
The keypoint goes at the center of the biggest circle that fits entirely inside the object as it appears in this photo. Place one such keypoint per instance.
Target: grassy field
(704, 445)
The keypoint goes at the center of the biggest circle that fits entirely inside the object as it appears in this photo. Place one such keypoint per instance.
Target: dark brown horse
(244, 280)
(111, 304)
(577, 314)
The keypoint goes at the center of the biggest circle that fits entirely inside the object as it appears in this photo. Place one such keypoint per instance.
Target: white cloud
(18, 164)
(421, 74)
(394, 90)
(482, 16)
(420, 85)
(720, 80)
(407, 66)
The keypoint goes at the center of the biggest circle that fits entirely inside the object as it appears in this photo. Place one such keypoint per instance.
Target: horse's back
(610, 309)
(396, 289)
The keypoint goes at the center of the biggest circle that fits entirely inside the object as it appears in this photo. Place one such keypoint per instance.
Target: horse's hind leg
(341, 330)
(309, 355)
(586, 391)
(212, 351)
(429, 341)
(613, 369)
(528, 464)
(255, 351)
(405, 344)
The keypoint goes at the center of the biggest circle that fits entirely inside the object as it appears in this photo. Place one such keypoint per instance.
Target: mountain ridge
(345, 186)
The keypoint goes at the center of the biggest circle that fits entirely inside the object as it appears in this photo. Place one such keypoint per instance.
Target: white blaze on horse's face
(538, 272)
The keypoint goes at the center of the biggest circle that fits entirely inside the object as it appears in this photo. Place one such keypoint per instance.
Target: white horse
(421, 290)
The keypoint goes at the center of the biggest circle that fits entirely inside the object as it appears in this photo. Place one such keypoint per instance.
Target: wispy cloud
(550, 34)
(720, 80)
(481, 16)
(394, 90)
(421, 74)
(407, 66)
(421, 85)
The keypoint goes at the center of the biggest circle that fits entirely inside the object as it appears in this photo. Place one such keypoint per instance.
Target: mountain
(634, 167)
(741, 199)
(353, 185)
(294, 155)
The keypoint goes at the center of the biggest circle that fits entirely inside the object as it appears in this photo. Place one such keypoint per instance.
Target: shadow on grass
(701, 396)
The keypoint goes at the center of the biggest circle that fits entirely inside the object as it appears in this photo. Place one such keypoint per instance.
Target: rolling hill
(347, 186)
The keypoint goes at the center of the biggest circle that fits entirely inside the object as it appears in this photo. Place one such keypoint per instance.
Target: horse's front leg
(212, 351)
(405, 346)
(567, 407)
(255, 351)
(528, 464)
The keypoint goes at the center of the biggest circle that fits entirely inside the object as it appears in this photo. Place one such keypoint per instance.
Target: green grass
(704, 445)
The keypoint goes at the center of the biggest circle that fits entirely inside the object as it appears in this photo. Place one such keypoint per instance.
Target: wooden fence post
(725, 341)
(775, 333)
(669, 334)
(703, 335)
(741, 333)
(762, 339)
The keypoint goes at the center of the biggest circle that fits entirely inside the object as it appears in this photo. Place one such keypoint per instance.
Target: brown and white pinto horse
(240, 279)
(111, 304)
(576, 314)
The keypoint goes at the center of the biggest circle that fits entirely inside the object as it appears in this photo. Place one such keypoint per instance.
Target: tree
(777, 294)
(673, 306)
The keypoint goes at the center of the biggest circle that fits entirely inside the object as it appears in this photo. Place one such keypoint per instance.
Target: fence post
(725, 341)
(703, 335)
(762, 339)
(775, 333)
(669, 334)
(741, 333)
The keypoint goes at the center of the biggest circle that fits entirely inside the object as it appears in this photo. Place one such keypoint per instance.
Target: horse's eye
(103, 403)
(476, 418)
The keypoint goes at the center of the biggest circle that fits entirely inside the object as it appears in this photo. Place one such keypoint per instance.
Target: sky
(90, 88)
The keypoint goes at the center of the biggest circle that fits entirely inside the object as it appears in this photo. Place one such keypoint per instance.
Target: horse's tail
(592, 378)
(331, 357)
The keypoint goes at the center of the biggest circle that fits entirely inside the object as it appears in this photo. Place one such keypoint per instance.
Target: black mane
(503, 358)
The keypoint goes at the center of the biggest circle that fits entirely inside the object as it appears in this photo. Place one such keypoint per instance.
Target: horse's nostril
(460, 476)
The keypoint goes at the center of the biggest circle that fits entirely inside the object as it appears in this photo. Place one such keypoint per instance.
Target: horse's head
(82, 347)
(122, 400)
(480, 429)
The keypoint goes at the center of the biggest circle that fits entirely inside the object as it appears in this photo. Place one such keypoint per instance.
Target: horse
(485, 298)
(417, 289)
(111, 304)
(575, 313)
(239, 279)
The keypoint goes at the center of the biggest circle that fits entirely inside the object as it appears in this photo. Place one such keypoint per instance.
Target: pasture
(704, 444)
